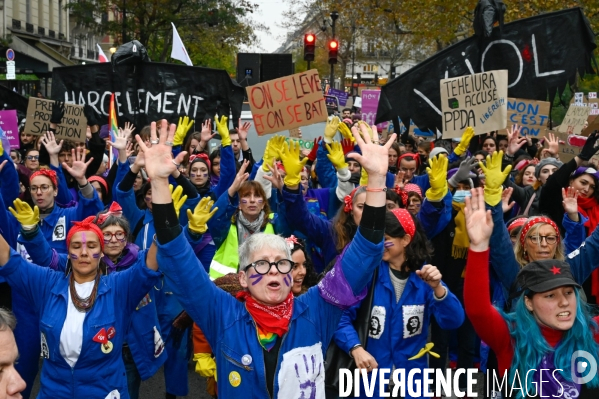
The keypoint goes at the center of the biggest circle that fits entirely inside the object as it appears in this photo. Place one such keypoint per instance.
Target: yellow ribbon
(423, 351)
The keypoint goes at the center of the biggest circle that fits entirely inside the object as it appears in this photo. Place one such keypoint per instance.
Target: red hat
(86, 224)
(50, 174)
(199, 157)
(100, 180)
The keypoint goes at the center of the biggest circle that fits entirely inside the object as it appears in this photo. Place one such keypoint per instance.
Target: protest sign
(542, 54)
(575, 119)
(370, 102)
(286, 103)
(341, 96)
(531, 115)
(150, 91)
(10, 126)
(478, 100)
(72, 127)
(304, 144)
(295, 132)
(569, 145)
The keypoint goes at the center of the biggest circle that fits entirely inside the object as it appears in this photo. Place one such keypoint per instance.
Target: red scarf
(589, 208)
(269, 319)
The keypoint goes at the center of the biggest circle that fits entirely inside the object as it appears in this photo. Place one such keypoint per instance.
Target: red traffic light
(333, 44)
(333, 50)
(310, 38)
(309, 46)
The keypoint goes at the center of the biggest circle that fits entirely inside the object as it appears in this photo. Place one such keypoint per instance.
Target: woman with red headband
(407, 291)
(143, 351)
(83, 316)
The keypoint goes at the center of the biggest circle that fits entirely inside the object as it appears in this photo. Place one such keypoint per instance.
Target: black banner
(150, 91)
(542, 54)
(13, 100)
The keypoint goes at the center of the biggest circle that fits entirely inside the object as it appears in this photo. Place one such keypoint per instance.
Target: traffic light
(333, 50)
(309, 46)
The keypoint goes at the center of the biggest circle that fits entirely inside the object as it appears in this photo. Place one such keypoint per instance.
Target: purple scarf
(551, 387)
(128, 257)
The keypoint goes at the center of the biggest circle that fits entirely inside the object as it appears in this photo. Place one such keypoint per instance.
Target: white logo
(581, 367)
(377, 322)
(413, 317)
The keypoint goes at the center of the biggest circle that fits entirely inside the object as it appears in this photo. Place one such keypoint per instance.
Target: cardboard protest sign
(72, 127)
(370, 102)
(569, 145)
(295, 133)
(286, 103)
(531, 115)
(340, 94)
(150, 91)
(478, 100)
(304, 144)
(575, 119)
(10, 126)
(542, 55)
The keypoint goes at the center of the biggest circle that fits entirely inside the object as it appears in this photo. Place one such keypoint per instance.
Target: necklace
(83, 304)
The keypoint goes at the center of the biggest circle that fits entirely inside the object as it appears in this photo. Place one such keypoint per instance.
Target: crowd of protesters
(383, 251)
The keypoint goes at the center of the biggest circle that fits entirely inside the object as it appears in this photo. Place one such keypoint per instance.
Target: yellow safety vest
(226, 258)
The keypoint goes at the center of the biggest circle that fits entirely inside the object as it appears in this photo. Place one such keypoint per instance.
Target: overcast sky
(270, 12)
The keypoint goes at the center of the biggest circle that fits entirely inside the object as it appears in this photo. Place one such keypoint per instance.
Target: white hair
(259, 241)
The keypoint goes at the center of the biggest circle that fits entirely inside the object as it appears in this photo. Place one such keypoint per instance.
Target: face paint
(259, 200)
(73, 256)
(388, 244)
(244, 201)
(192, 175)
(257, 277)
(148, 199)
(287, 280)
(205, 175)
(95, 256)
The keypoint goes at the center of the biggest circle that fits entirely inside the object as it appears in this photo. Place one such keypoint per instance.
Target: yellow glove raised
(370, 132)
(293, 165)
(178, 199)
(494, 177)
(363, 178)
(28, 217)
(182, 129)
(437, 175)
(331, 129)
(271, 152)
(198, 220)
(346, 133)
(336, 155)
(205, 364)
(223, 130)
(466, 137)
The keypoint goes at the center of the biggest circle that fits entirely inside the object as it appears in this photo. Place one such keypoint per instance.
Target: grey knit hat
(545, 162)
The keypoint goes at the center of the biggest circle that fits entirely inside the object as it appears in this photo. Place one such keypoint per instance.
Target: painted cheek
(388, 244)
(260, 200)
(256, 278)
(73, 256)
(96, 256)
(192, 175)
(287, 279)
(205, 175)
(244, 201)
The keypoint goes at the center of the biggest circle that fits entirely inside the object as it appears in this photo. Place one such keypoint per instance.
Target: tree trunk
(167, 45)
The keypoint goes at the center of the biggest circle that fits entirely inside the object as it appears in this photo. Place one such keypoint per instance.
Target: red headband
(515, 224)
(408, 188)
(86, 224)
(50, 174)
(114, 210)
(537, 220)
(407, 222)
(201, 156)
(409, 154)
(349, 199)
(99, 180)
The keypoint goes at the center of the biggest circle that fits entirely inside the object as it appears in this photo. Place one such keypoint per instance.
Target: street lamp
(112, 50)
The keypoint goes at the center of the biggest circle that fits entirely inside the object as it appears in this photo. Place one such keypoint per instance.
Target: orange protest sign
(287, 103)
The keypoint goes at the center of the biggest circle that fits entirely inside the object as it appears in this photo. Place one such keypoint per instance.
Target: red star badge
(556, 270)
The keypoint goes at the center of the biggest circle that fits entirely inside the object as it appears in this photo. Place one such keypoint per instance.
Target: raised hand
(437, 175)
(120, 139)
(399, 179)
(330, 129)
(312, 155)
(276, 179)
(494, 177)
(223, 130)
(430, 275)
(293, 165)
(336, 155)
(57, 112)
(570, 203)
(182, 128)
(553, 144)
(203, 212)
(374, 158)
(158, 158)
(479, 222)
(506, 205)
(49, 141)
(271, 151)
(206, 134)
(129, 149)
(243, 130)
(346, 132)
(178, 197)
(514, 141)
(467, 136)
(79, 166)
(26, 216)
(589, 149)
(240, 178)
(463, 173)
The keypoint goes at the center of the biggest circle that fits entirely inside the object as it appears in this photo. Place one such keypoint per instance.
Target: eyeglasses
(263, 266)
(538, 239)
(120, 235)
(44, 188)
(33, 157)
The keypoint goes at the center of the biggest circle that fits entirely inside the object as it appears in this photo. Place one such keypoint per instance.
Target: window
(371, 68)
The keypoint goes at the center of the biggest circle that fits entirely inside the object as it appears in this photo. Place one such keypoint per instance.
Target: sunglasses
(33, 157)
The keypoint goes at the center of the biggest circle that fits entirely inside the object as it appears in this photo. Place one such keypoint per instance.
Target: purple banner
(370, 102)
(10, 126)
(340, 94)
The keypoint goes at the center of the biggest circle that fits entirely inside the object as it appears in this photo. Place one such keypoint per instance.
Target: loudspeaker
(274, 66)
(248, 69)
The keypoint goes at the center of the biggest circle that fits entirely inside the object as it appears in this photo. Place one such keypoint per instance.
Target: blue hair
(530, 346)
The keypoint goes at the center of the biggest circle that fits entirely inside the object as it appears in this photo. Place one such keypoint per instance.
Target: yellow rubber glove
(363, 178)
(466, 137)
(336, 155)
(293, 165)
(437, 175)
(494, 177)
(271, 152)
(205, 364)
(331, 129)
(369, 130)
(427, 349)
(182, 128)
(28, 217)
(1, 149)
(223, 130)
(178, 200)
(198, 219)
(345, 132)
